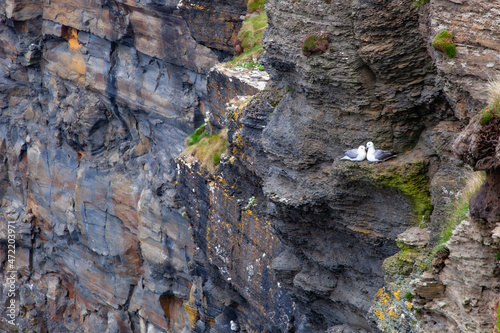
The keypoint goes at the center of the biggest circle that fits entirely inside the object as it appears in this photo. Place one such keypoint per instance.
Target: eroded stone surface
(96, 101)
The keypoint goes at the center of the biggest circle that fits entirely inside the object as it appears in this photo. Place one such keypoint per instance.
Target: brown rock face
(470, 272)
(473, 24)
(484, 204)
(478, 144)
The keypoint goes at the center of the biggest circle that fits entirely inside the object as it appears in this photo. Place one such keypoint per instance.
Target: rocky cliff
(97, 99)
(118, 231)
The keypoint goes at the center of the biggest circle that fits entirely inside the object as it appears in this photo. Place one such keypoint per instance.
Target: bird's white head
(361, 148)
(369, 145)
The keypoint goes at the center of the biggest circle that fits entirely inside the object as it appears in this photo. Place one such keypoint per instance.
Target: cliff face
(97, 99)
(115, 234)
(379, 80)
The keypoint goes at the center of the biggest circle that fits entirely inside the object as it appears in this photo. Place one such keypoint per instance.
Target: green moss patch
(419, 3)
(314, 42)
(198, 134)
(249, 40)
(443, 42)
(402, 263)
(412, 180)
(406, 174)
(255, 5)
(485, 116)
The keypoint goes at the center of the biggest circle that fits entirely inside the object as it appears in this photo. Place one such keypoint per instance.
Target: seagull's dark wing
(383, 155)
(351, 153)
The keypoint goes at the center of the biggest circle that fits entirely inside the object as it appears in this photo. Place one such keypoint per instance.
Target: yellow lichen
(379, 314)
(396, 294)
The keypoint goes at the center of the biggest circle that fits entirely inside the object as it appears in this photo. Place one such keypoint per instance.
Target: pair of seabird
(372, 155)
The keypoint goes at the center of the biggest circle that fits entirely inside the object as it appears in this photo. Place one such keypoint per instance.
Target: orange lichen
(379, 314)
(365, 231)
(193, 314)
(71, 35)
(74, 45)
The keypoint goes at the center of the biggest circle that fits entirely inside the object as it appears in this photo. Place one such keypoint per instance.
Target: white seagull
(378, 155)
(355, 154)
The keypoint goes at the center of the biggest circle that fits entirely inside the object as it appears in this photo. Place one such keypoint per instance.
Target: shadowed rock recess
(117, 229)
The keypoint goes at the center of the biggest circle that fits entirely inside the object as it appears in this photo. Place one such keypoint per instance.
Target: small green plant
(485, 116)
(288, 89)
(498, 255)
(314, 42)
(251, 203)
(419, 3)
(492, 110)
(443, 42)
(198, 134)
(409, 296)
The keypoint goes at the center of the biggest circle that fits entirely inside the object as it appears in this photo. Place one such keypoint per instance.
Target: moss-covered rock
(413, 181)
(248, 42)
(407, 174)
(315, 42)
(443, 42)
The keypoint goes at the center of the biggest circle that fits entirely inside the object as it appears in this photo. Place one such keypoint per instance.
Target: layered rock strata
(97, 99)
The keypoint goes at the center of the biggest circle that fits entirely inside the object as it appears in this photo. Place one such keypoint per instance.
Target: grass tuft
(493, 90)
(251, 64)
(207, 151)
(314, 42)
(459, 209)
(198, 134)
(443, 42)
(492, 110)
